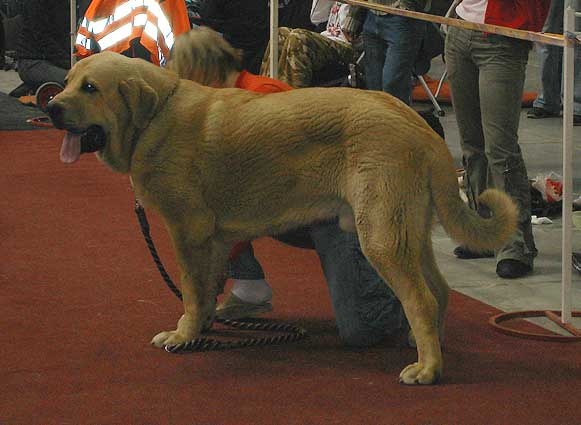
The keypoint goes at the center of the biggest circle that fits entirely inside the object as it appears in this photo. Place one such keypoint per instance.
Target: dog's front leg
(202, 266)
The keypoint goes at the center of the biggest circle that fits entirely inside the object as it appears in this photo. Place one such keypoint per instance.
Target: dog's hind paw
(168, 338)
(418, 374)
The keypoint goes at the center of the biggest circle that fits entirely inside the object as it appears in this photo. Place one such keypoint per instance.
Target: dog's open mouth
(77, 142)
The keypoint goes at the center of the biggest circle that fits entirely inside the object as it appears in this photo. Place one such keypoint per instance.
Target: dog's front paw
(417, 373)
(187, 330)
(169, 338)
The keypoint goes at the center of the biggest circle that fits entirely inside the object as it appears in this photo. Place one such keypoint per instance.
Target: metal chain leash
(291, 332)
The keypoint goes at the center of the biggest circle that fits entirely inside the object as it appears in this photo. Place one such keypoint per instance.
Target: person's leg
(374, 58)
(404, 38)
(551, 62)
(305, 52)
(250, 294)
(37, 72)
(366, 309)
(502, 62)
(577, 87)
(463, 77)
(577, 77)
(549, 97)
(2, 44)
(245, 266)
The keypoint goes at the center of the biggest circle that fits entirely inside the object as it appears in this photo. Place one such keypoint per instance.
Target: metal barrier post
(273, 62)
(568, 95)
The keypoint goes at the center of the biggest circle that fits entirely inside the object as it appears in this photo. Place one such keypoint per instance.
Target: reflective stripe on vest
(127, 21)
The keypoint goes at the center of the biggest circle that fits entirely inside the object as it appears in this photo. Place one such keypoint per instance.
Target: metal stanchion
(273, 63)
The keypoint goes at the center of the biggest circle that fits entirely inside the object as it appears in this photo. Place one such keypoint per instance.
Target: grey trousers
(486, 74)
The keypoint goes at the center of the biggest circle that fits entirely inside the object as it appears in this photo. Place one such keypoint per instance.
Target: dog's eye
(89, 88)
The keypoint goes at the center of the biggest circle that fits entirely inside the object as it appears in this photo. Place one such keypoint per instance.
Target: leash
(42, 121)
(289, 332)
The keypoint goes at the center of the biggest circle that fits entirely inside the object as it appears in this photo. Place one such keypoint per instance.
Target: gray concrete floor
(541, 142)
(542, 145)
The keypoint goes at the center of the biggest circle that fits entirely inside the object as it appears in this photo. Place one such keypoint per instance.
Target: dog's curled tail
(464, 225)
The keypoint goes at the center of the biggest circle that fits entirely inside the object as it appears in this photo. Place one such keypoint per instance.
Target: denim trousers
(245, 266)
(550, 95)
(366, 309)
(486, 73)
(391, 46)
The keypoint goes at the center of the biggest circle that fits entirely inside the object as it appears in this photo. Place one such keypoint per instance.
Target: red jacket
(527, 15)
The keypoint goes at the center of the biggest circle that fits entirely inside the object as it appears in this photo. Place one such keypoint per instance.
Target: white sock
(252, 291)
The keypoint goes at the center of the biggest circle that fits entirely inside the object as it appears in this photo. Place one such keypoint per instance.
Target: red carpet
(80, 299)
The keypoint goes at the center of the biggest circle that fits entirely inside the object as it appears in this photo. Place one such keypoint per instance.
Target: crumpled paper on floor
(541, 220)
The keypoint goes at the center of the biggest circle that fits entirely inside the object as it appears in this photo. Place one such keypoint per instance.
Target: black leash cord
(291, 332)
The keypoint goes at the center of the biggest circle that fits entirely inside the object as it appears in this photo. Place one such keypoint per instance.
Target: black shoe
(537, 113)
(511, 269)
(464, 253)
(577, 261)
(576, 120)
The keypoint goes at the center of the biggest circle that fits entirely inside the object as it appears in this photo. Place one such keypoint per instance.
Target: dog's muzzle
(93, 140)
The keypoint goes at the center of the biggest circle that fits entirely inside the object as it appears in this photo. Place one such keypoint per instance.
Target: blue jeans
(366, 309)
(551, 61)
(245, 266)
(391, 46)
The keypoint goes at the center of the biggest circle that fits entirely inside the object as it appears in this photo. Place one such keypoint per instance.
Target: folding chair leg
(441, 83)
(433, 99)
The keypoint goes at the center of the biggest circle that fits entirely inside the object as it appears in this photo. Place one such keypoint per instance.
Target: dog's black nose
(55, 112)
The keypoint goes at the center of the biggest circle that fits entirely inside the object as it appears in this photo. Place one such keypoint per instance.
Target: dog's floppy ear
(141, 100)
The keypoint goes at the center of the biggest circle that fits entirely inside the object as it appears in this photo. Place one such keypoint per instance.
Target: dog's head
(108, 99)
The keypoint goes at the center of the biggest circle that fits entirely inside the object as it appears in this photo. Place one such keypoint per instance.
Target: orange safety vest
(113, 24)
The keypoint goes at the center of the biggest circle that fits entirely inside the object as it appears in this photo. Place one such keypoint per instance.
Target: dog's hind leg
(436, 281)
(390, 239)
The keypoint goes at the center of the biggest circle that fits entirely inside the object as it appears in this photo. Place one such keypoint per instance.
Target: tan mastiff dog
(226, 165)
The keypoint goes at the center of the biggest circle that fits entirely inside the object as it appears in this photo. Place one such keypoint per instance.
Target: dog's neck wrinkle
(162, 104)
(138, 132)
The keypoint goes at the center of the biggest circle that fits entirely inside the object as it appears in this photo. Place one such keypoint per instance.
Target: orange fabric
(28, 100)
(260, 84)
(174, 10)
(445, 96)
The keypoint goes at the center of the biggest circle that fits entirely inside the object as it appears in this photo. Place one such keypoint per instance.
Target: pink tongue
(71, 148)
